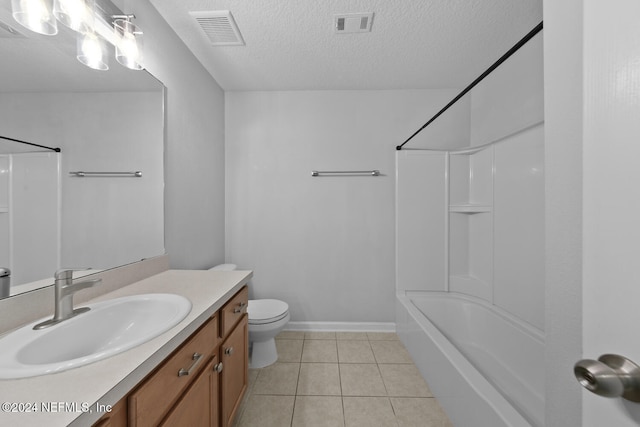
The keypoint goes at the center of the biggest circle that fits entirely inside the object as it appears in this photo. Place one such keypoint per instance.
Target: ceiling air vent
(219, 27)
(353, 23)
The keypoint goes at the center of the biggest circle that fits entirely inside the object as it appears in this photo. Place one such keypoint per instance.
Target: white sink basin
(109, 328)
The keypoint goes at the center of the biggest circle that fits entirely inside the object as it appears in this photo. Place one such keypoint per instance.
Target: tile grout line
(344, 416)
(339, 363)
(295, 397)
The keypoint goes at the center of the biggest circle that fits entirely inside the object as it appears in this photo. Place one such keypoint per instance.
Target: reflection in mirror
(111, 121)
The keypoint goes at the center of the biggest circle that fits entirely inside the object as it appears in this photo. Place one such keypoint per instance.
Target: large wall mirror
(103, 121)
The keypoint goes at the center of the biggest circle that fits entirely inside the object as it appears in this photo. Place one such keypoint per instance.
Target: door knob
(610, 376)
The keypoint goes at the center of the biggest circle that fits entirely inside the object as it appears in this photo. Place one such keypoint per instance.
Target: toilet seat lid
(266, 309)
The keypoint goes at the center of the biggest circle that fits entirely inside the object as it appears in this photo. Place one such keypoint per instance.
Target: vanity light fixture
(96, 22)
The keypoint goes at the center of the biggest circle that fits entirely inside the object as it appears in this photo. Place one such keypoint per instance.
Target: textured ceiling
(414, 44)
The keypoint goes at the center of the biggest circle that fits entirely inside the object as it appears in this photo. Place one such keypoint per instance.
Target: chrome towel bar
(81, 174)
(371, 173)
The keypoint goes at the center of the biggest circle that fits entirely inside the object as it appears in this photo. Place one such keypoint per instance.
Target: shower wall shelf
(470, 221)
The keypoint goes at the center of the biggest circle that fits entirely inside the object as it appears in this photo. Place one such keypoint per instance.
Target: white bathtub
(485, 367)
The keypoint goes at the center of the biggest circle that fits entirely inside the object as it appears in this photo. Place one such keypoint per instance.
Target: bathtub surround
(471, 222)
(325, 245)
(476, 203)
(29, 201)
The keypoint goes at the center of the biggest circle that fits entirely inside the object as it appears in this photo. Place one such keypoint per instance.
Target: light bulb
(75, 14)
(129, 45)
(35, 15)
(91, 52)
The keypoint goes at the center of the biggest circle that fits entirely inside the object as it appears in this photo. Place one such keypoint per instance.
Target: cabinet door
(198, 407)
(234, 355)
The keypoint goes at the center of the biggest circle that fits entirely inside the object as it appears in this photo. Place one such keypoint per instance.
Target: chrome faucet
(64, 289)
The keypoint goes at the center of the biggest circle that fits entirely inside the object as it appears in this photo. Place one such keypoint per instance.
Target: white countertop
(105, 382)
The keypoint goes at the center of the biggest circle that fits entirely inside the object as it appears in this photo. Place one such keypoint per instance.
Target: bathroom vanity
(193, 374)
(180, 392)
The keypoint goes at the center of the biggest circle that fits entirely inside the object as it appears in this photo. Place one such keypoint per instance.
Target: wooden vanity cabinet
(201, 384)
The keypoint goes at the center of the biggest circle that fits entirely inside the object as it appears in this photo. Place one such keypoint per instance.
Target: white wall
(563, 75)
(325, 245)
(194, 158)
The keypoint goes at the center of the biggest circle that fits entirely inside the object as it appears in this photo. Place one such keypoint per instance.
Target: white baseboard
(341, 326)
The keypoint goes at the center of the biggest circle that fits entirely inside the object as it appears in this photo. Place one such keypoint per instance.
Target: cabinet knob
(228, 351)
(218, 367)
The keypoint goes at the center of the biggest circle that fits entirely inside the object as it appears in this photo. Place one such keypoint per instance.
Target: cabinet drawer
(233, 310)
(155, 396)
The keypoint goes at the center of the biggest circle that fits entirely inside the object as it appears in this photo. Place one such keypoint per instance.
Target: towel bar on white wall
(81, 174)
(370, 173)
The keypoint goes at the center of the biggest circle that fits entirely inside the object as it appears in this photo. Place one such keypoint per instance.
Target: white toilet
(267, 317)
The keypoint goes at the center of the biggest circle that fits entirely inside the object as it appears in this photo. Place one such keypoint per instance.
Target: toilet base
(263, 353)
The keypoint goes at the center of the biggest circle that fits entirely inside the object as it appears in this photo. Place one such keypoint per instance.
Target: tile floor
(343, 379)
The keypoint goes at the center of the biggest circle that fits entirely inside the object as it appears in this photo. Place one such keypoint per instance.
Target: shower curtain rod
(57, 150)
(495, 65)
